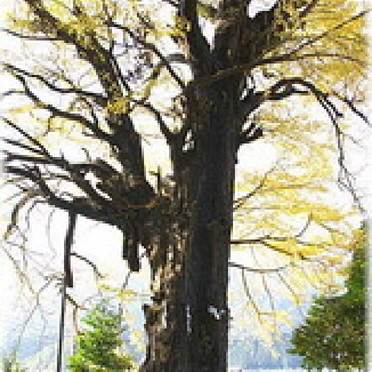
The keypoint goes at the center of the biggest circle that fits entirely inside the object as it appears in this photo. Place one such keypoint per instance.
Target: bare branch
(352, 107)
(165, 61)
(16, 210)
(33, 310)
(98, 98)
(28, 37)
(89, 262)
(40, 149)
(199, 49)
(242, 199)
(291, 291)
(265, 241)
(85, 208)
(258, 270)
(268, 293)
(167, 133)
(250, 297)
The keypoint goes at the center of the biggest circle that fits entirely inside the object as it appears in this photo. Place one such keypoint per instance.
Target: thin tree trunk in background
(61, 335)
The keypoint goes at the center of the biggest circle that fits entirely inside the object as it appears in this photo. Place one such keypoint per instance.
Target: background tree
(10, 364)
(99, 344)
(230, 77)
(333, 335)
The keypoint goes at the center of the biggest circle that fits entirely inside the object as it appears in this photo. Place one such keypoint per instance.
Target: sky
(107, 239)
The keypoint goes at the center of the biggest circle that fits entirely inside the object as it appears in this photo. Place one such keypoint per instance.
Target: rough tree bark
(188, 324)
(189, 320)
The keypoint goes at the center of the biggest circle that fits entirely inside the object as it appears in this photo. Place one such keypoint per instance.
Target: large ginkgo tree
(111, 78)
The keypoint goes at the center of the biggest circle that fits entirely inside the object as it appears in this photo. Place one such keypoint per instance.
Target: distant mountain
(250, 353)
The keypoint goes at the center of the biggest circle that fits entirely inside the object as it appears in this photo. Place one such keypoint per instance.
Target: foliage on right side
(333, 334)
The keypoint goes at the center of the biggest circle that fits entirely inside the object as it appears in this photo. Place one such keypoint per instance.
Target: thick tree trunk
(187, 325)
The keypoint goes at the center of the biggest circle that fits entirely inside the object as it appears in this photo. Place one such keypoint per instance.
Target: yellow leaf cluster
(119, 106)
(325, 45)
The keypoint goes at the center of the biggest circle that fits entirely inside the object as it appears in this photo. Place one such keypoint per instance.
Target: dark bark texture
(190, 308)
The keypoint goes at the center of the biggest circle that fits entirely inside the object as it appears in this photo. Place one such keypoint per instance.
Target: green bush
(99, 345)
(333, 335)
